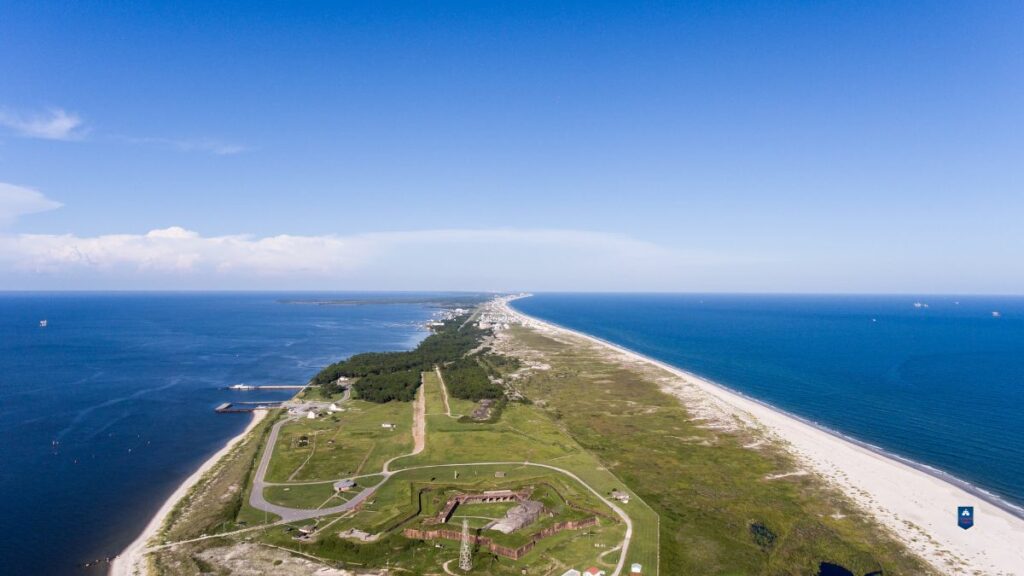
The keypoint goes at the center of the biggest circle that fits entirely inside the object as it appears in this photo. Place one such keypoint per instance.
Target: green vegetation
(720, 513)
(218, 502)
(386, 376)
(701, 501)
(351, 443)
(466, 378)
(388, 386)
(449, 342)
(412, 495)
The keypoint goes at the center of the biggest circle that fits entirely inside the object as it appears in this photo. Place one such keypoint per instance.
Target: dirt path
(303, 465)
(444, 392)
(419, 420)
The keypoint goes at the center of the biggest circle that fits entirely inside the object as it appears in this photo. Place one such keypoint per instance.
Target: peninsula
(507, 445)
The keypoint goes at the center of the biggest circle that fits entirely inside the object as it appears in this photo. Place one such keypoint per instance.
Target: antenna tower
(466, 550)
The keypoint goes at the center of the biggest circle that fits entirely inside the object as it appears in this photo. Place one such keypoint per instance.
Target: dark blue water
(126, 384)
(942, 385)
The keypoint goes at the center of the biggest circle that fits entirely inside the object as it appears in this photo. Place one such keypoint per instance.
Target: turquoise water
(942, 385)
(125, 385)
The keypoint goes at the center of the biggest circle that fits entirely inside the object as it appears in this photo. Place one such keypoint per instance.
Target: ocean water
(105, 411)
(942, 385)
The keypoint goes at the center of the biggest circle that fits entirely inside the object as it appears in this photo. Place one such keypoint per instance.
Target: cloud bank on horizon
(498, 259)
(474, 259)
(444, 259)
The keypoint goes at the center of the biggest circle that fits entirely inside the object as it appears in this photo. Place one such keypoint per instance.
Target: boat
(42, 323)
(241, 387)
(996, 314)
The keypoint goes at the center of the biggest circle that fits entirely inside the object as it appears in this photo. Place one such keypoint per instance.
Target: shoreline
(909, 498)
(938, 473)
(131, 561)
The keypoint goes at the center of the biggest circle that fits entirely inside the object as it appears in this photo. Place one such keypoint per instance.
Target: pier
(230, 407)
(247, 388)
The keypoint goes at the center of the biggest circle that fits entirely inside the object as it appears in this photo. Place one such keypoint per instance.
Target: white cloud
(205, 145)
(17, 201)
(55, 124)
(59, 124)
(460, 259)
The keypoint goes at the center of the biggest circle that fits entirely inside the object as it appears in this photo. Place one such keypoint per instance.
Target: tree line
(387, 376)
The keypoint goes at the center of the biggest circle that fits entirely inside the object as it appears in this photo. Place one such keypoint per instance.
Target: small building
(335, 408)
(620, 496)
(499, 474)
(307, 529)
(571, 572)
(344, 485)
(388, 426)
(593, 571)
(634, 569)
(311, 414)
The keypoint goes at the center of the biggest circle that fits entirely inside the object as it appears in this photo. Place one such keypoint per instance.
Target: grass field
(453, 452)
(348, 443)
(402, 496)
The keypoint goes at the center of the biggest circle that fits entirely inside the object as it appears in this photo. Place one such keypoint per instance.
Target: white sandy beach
(131, 562)
(917, 506)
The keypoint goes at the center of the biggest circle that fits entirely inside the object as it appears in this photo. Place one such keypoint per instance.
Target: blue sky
(718, 146)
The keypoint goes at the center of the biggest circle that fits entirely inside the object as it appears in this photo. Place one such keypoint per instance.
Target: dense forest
(467, 379)
(387, 376)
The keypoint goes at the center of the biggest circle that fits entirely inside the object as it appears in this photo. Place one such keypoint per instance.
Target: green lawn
(344, 444)
(400, 498)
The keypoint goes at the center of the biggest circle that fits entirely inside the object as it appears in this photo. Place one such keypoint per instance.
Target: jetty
(229, 407)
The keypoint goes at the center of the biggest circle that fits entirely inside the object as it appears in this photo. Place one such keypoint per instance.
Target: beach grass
(218, 502)
(719, 512)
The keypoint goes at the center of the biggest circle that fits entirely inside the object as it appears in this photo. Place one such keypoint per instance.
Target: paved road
(256, 499)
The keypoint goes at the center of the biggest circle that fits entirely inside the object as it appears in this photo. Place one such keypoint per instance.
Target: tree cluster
(386, 376)
(389, 386)
(467, 379)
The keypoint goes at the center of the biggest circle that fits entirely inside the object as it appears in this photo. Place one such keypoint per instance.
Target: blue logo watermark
(965, 516)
